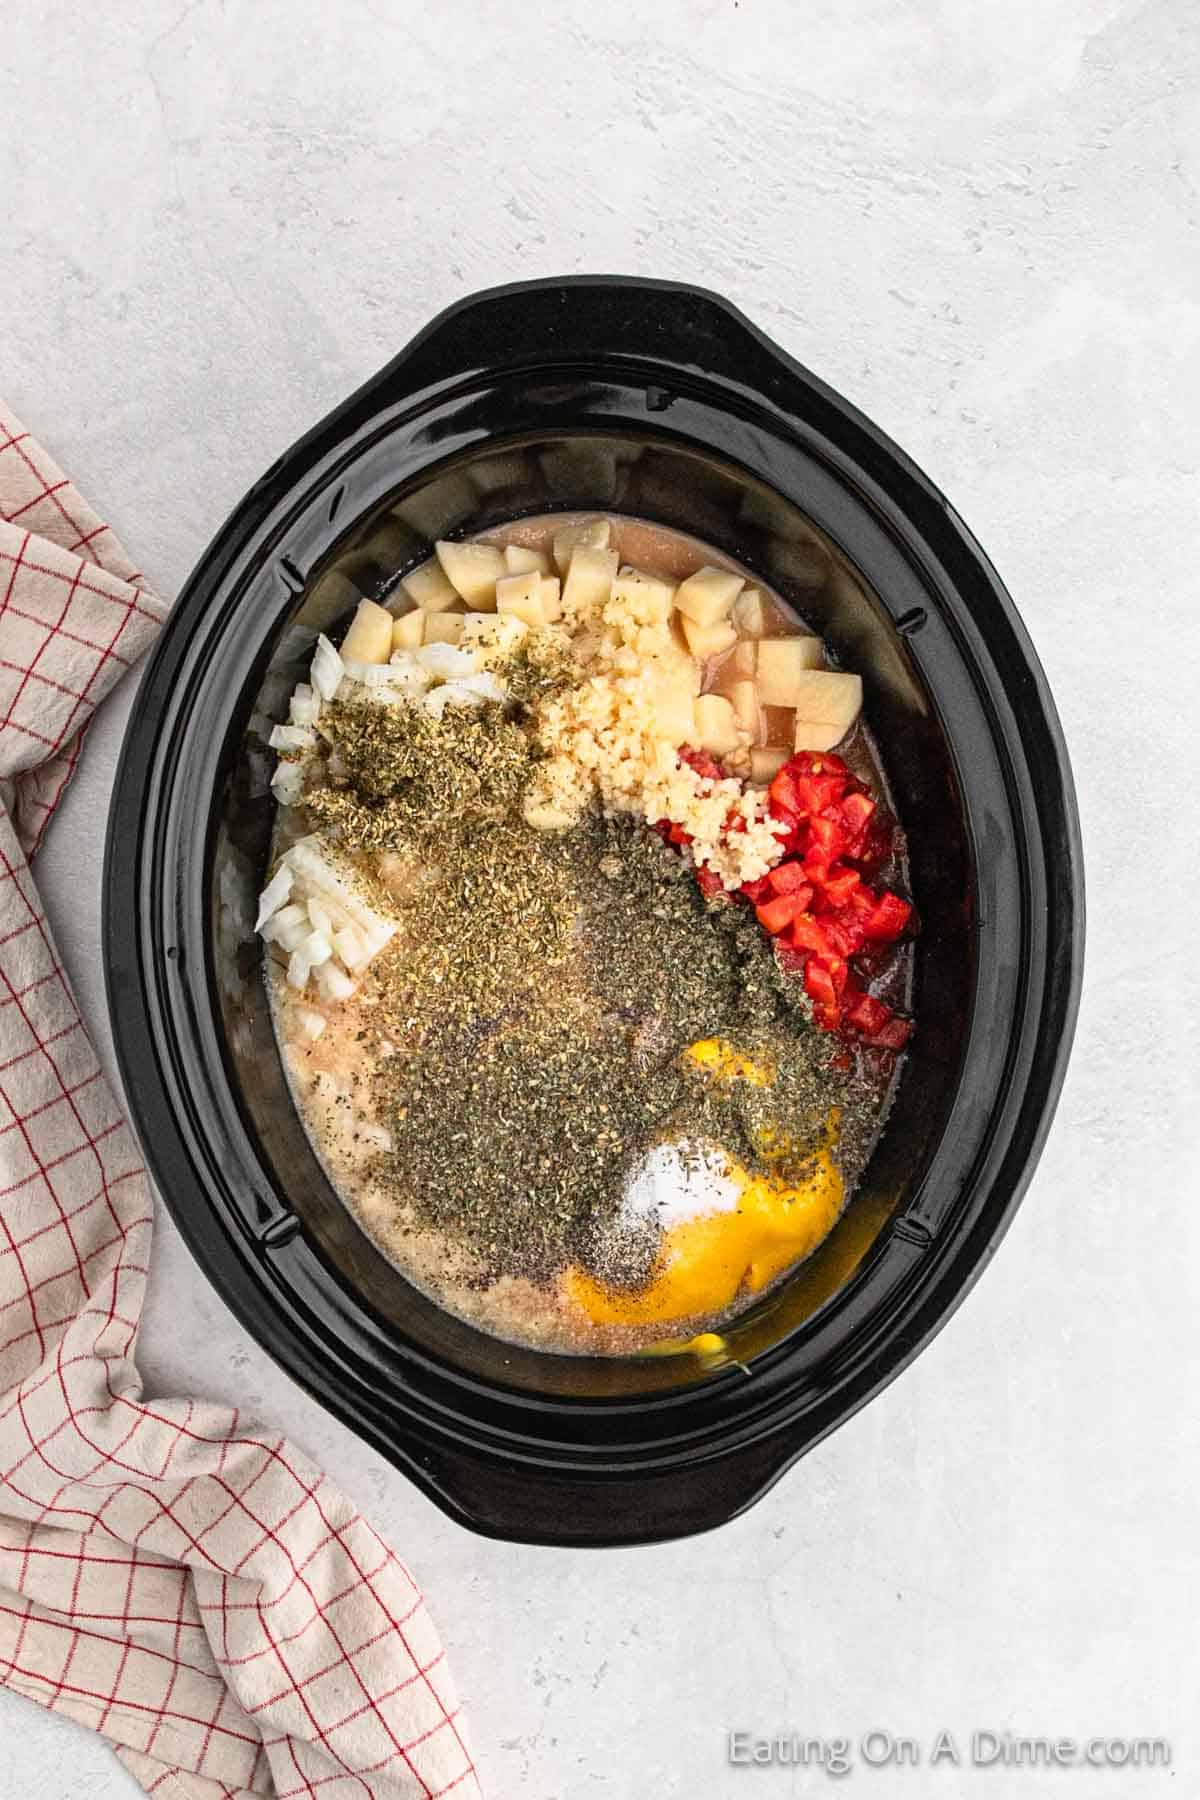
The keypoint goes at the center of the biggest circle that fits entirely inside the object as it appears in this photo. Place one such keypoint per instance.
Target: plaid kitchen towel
(188, 1585)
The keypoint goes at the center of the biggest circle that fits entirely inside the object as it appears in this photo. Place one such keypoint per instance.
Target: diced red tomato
(867, 1014)
(837, 887)
(816, 793)
(887, 919)
(857, 811)
(709, 882)
(823, 847)
(806, 933)
(774, 914)
(786, 877)
(781, 793)
(844, 932)
(754, 891)
(821, 762)
(879, 842)
(819, 983)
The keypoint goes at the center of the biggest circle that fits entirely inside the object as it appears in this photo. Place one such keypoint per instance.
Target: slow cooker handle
(539, 1506)
(667, 326)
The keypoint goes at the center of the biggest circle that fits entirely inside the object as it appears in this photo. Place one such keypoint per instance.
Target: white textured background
(980, 222)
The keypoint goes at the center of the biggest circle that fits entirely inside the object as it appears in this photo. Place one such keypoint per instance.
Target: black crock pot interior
(709, 496)
(662, 402)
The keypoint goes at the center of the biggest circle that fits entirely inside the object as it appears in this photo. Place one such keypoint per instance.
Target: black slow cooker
(662, 401)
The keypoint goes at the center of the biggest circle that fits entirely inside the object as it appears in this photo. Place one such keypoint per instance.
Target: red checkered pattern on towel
(188, 1585)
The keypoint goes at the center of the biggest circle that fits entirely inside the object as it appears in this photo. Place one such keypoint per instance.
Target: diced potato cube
(716, 726)
(473, 571)
(827, 705)
(750, 613)
(743, 697)
(492, 636)
(369, 639)
(708, 640)
(551, 591)
(648, 597)
(593, 534)
(521, 595)
(811, 735)
(589, 579)
(520, 561)
(781, 664)
(766, 763)
(429, 588)
(408, 633)
(677, 660)
(444, 627)
(708, 595)
(673, 716)
(744, 661)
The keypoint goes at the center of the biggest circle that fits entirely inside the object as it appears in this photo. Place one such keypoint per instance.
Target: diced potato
(473, 571)
(781, 664)
(677, 660)
(827, 705)
(766, 763)
(673, 716)
(444, 627)
(521, 595)
(589, 578)
(369, 639)
(408, 633)
(651, 597)
(520, 561)
(744, 662)
(750, 613)
(551, 591)
(716, 726)
(429, 588)
(743, 697)
(708, 595)
(593, 534)
(811, 735)
(708, 640)
(492, 636)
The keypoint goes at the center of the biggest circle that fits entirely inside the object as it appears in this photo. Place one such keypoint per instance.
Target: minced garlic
(615, 731)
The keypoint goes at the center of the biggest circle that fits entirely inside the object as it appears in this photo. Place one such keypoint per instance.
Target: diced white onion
(287, 783)
(273, 895)
(298, 970)
(333, 983)
(445, 660)
(293, 737)
(312, 1024)
(290, 935)
(290, 919)
(352, 947)
(312, 870)
(317, 948)
(304, 707)
(321, 920)
(487, 685)
(327, 669)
